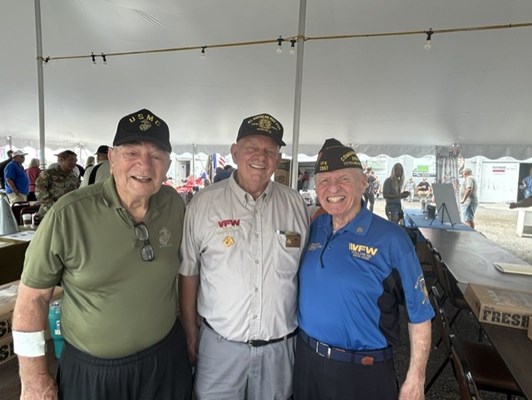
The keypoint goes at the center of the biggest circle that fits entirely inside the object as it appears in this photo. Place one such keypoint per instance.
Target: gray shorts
(468, 211)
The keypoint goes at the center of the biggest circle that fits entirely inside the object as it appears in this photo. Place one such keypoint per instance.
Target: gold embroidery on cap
(265, 124)
(144, 125)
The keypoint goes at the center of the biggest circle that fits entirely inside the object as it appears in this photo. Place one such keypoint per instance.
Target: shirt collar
(357, 226)
(111, 200)
(244, 196)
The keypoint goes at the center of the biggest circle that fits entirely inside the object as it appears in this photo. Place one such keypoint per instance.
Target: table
(469, 255)
(414, 218)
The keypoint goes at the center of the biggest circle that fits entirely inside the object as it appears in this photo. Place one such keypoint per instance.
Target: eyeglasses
(141, 233)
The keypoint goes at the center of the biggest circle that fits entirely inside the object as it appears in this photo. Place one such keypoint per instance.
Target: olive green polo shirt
(114, 303)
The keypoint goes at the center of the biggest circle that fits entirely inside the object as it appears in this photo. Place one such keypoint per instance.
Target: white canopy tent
(383, 95)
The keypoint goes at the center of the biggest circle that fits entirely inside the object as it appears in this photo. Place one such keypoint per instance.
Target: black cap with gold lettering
(262, 124)
(143, 125)
(334, 155)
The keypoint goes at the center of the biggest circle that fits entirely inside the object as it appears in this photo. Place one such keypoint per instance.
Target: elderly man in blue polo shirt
(16, 179)
(356, 270)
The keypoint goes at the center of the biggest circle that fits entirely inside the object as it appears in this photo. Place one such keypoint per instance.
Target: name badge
(293, 239)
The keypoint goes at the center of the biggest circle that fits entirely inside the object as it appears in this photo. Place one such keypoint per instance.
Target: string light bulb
(93, 59)
(279, 45)
(428, 43)
(203, 56)
(292, 47)
(104, 58)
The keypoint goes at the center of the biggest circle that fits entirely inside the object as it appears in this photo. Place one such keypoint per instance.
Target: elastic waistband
(258, 342)
(362, 357)
(121, 361)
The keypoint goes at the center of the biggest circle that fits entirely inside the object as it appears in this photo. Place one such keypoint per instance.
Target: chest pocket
(287, 250)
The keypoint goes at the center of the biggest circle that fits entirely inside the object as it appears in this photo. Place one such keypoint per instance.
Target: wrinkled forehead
(261, 140)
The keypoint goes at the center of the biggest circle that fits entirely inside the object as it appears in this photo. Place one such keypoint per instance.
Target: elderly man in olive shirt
(114, 248)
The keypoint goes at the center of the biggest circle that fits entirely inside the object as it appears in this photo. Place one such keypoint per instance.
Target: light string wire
(290, 39)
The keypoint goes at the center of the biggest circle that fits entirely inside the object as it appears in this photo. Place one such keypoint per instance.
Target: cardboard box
(8, 296)
(12, 254)
(6, 349)
(500, 306)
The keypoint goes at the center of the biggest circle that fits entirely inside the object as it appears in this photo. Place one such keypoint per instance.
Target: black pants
(318, 378)
(160, 372)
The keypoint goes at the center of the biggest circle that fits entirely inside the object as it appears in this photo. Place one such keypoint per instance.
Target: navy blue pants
(318, 378)
(160, 372)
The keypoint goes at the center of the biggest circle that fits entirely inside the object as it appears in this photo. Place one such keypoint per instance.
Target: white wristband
(29, 344)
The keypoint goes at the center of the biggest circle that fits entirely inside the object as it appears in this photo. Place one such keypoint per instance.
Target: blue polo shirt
(16, 172)
(352, 282)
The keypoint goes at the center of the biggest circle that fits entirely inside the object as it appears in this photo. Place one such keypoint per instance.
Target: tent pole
(40, 82)
(297, 94)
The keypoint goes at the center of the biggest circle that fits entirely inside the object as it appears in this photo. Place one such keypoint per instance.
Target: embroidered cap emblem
(145, 125)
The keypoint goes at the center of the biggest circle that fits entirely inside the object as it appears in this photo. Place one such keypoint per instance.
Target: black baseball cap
(262, 124)
(143, 125)
(103, 149)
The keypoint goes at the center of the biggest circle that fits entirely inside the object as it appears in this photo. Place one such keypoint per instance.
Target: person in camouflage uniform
(56, 181)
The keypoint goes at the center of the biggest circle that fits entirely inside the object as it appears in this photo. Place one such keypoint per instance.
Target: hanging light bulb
(203, 56)
(292, 47)
(279, 45)
(93, 59)
(428, 43)
(104, 58)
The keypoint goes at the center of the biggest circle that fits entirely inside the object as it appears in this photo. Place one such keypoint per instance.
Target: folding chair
(17, 207)
(466, 384)
(449, 286)
(426, 259)
(484, 364)
(454, 294)
(440, 281)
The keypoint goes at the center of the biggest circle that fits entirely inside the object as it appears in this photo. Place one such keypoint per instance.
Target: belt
(258, 342)
(363, 357)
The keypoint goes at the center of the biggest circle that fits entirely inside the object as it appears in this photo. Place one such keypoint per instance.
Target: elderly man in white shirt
(242, 242)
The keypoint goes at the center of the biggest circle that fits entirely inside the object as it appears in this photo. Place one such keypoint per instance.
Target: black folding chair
(484, 365)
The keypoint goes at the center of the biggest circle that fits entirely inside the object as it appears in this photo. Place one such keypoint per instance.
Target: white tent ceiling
(381, 94)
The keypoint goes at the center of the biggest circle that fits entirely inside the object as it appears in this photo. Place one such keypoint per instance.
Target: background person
(523, 203)
(33, 171)
(90, 162)
(392, 193)
(221, 174)
(114, 248)
(55, 182)
(17, 182)
(369, 193)
(243, 238)
(527, 185)
(101, 170)
(468, 198)
(3, 165)
(410, 186)
(355, 272)
(424, 190)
